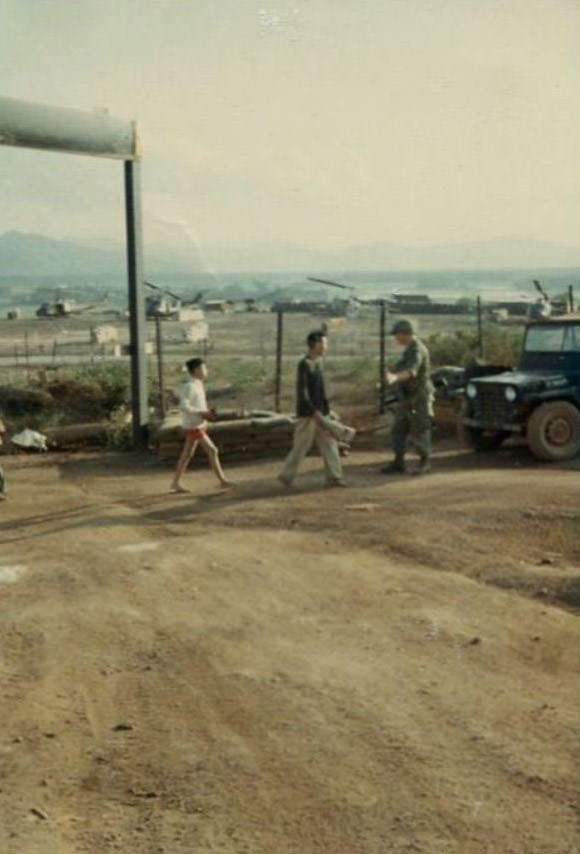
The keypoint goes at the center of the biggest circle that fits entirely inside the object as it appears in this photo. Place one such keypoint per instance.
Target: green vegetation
(500, 346)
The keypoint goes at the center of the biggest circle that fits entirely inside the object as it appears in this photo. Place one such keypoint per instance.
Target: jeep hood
(538, 380)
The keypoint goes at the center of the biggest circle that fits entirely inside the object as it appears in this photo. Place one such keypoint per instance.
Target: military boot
(397, 466)
(424, 466)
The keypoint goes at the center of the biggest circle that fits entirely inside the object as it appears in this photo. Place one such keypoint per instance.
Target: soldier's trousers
(412, 426)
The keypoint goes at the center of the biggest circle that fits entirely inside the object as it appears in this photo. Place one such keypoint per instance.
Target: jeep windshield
(553, 347)
(553, 338)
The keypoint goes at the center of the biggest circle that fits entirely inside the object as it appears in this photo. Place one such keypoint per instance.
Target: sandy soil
(391, 667)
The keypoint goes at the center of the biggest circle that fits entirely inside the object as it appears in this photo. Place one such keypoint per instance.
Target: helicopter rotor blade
(163, 290)
(331, 283)
(540, 289)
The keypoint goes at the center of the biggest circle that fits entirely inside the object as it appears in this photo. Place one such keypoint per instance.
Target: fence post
(479, 328)
(278, 378)
(159, 348)
(27, 356)
(382, 357)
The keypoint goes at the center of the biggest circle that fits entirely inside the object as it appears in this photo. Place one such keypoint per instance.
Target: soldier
(414, 412)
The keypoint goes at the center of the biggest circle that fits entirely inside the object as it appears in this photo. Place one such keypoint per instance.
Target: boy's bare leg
(214, 460)
(182, 463)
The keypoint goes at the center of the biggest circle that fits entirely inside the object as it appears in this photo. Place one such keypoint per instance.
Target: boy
(313, 424)
(194, 418)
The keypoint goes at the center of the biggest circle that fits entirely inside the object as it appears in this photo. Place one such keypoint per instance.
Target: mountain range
(24, 254)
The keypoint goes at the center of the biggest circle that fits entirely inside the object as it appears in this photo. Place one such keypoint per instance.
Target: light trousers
(306, 433)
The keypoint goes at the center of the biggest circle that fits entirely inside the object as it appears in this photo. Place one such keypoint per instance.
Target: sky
(319, 123)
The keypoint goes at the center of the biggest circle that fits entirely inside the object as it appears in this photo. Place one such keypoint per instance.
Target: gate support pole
(137, 320)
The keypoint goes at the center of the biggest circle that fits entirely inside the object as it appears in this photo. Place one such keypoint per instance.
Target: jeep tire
(554, 431)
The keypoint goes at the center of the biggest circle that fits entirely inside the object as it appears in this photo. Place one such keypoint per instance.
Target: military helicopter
(546, 306)
(350, 306)
(61, 308)
(165, 304)
(338, 307)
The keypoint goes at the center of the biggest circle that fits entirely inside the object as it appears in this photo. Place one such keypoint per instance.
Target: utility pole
(479, 328)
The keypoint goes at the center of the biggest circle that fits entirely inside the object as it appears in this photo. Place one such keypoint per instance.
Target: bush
(120, 430)
(501, 347)
(113, 380)
(90, 393)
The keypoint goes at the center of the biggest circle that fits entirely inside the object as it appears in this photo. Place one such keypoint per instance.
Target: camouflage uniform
(414, 409)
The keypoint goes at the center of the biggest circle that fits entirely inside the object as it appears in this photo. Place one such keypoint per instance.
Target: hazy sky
(317, 122)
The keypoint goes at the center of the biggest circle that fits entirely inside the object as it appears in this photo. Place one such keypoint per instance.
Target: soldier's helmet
(404, 326)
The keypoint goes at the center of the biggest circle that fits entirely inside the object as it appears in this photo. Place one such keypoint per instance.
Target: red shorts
(196, 433)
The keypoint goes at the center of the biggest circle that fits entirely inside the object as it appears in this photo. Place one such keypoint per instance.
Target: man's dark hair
(193, 364)
(314, 337)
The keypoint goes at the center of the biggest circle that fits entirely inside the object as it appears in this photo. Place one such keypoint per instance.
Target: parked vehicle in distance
(540, 400)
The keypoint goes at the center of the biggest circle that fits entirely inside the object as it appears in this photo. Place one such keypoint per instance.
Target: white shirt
(192, 403)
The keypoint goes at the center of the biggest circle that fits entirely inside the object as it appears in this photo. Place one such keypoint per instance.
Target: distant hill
(501, 253)
(33, 254)
(36, 255)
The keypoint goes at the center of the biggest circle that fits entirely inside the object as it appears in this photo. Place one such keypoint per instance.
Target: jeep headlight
(471, 391)
(510, 394)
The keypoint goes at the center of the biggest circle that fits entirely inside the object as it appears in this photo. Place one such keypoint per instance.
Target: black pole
(278, 378)
(382, 356)
(137, 320)
(27, 355)
(479, 329)
(570, 298)
(159, 345)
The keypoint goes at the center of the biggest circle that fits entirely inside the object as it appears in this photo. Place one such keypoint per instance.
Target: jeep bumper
(509, 427)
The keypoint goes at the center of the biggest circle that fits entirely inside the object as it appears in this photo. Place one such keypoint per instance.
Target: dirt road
(391, 667)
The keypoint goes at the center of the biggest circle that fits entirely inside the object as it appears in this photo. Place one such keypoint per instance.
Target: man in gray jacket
(312, 409)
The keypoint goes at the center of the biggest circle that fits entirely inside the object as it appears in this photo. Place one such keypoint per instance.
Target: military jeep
(539, 400)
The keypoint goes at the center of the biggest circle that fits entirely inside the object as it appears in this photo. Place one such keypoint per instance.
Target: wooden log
(257, 433)
(76, 435)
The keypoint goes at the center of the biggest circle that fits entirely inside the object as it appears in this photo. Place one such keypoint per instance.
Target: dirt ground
(391, 667)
